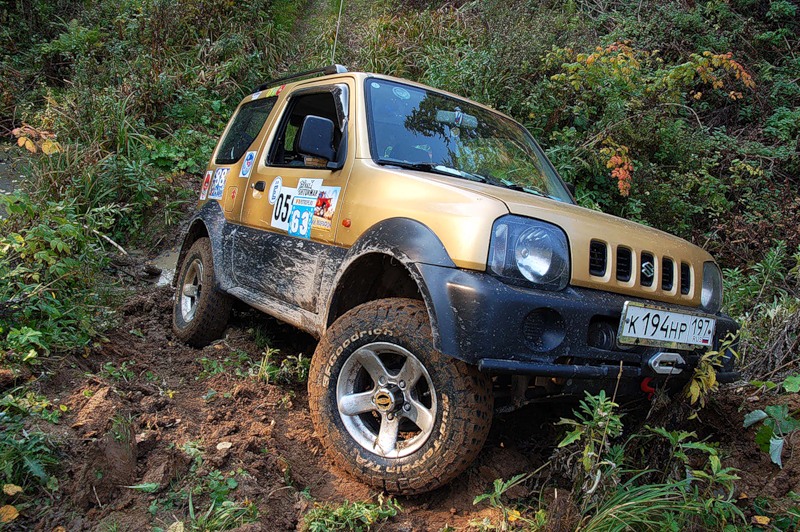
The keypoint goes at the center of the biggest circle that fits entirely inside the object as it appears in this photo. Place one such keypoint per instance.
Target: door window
(327, 104)
(245, 128)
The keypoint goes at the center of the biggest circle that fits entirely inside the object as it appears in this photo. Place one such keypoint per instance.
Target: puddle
(166, 261)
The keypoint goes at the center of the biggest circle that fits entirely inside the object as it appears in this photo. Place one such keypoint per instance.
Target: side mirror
(316, 137)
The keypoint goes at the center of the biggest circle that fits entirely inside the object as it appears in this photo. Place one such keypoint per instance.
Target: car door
(290, 208)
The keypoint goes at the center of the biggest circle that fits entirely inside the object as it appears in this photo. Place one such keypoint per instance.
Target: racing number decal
(283, 205)
(298, 210)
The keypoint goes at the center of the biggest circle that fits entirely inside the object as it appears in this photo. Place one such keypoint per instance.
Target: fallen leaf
(11, 489)
(59, 529)
(221, 446)
(8, 513)
(762, 520)
(177, 526)
(28, 144)
(50, 147)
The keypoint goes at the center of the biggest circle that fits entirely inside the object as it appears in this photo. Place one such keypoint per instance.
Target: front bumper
(568, 334)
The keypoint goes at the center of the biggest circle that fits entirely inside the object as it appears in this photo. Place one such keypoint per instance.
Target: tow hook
(667, 363)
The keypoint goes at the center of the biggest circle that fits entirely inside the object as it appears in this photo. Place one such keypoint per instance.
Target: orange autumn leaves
(620, 76)
(620, 163)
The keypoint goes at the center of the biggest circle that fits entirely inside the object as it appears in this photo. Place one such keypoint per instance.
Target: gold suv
(433, 249)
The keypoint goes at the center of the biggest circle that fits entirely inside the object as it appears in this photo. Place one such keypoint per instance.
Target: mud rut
(127, 431)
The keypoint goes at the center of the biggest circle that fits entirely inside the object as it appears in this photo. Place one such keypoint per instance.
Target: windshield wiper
(433, 168)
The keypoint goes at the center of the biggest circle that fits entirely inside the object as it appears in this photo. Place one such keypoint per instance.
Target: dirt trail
(141, 403)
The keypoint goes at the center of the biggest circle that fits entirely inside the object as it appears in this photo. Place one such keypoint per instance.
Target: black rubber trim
(567, 371)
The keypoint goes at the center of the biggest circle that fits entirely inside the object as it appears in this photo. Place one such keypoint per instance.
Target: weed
(776, 425)
(291, 370)
(357, 516)
(235, 362)
(123, 372)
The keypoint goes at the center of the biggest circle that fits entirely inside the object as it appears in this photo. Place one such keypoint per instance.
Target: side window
(245, 128)
(284, 148)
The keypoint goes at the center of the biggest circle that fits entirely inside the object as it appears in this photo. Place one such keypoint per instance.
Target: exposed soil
(128, 430)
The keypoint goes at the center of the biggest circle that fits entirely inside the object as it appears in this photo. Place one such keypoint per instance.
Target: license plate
(658, 327)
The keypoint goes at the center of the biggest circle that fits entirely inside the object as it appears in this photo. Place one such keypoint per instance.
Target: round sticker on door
(274, 190)
(247, 164)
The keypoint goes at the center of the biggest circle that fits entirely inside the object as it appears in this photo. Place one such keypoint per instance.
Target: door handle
(261, 186)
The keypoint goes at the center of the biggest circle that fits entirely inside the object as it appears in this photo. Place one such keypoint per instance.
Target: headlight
(711, 295)
(526, 251)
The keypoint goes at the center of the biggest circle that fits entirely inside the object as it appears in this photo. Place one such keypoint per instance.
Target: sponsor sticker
(247, 164)
(274, 91)
(274, 190)
(255, 95)
(206, 185)
(218, 184)
(298, 210)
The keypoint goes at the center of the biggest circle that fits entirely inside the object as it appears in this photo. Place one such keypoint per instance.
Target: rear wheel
(390, 408)
(200, 312)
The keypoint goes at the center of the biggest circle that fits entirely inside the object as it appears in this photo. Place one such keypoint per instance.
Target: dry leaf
(177, 526)
(760, 520)
(11, 489)
(59, 529)
(221, 446)
(8, 513)
(27, 143)
(50, 147)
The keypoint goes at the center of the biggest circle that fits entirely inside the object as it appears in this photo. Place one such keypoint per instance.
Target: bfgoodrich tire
(200, 312)
(391, 409)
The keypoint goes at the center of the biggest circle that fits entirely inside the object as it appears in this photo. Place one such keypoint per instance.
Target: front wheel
(390, 408)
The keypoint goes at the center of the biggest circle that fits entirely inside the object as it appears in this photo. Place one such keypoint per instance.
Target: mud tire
(212, 306)
(464, 399)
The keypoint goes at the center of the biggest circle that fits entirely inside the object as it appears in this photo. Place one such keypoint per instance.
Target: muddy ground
(143, 408)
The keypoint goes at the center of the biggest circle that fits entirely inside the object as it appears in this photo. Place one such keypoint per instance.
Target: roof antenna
(336, 38)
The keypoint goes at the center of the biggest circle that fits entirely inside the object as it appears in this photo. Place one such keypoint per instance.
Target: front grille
(686, 278)
(624, 260)
(598, 258)
(667, 274)
(648, 269)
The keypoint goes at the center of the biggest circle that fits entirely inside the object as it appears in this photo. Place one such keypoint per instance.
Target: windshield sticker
(206, 185)
(401, 93)
(218, 185)
(274, 91)
(274, 190)
(247, 164)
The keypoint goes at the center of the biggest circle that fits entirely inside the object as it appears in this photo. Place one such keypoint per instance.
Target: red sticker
(206, 186)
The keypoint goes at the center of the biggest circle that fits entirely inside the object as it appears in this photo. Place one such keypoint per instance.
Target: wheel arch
(383, 263)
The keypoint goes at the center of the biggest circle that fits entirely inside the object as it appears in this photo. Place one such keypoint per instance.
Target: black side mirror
(316, 137)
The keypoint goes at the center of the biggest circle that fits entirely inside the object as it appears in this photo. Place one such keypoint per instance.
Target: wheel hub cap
(386, 400)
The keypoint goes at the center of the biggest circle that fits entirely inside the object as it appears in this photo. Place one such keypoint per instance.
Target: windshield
(424, 130)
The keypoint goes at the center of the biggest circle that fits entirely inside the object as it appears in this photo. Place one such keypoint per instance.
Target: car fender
(209, 220)
(413, 245)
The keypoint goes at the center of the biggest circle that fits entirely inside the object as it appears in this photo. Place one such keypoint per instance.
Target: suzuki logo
(383, 401)
(648, 269)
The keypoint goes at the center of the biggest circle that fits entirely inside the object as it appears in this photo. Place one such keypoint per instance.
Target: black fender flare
(413, 245)
(209, 220)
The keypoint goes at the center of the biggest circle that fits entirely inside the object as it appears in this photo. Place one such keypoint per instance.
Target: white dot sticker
(376, 85)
